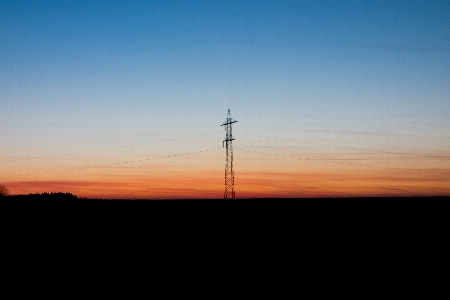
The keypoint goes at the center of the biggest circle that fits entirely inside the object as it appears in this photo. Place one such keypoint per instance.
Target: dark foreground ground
(358, 216)
(322, 239)
(67, 197)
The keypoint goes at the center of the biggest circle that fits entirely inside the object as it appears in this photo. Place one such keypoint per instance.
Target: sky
(124, 99)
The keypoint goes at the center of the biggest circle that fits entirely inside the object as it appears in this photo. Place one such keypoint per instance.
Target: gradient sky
(124, 99)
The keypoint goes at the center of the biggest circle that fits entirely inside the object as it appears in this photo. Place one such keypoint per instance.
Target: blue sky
(88, 70)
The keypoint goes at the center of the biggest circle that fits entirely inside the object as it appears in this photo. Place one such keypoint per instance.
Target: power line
(352, 148)
(109, 148)
(113, 164)
(339, 161)
(96, 141)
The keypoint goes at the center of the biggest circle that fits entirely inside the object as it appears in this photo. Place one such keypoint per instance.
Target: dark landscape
(68, 197)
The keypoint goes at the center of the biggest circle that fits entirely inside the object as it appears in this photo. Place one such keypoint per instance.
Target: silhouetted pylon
(229, 172)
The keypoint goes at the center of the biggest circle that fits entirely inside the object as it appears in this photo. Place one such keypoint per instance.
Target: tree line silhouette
(45, 195)
(4, 192)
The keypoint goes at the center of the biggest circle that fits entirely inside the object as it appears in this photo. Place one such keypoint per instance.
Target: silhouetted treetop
(3, 190)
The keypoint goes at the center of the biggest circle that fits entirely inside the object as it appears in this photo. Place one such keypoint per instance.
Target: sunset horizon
(126, 100)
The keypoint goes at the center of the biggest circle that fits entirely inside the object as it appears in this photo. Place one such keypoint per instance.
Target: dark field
(68, 197)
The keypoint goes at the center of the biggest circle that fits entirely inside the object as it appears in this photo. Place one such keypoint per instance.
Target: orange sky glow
(256, 176)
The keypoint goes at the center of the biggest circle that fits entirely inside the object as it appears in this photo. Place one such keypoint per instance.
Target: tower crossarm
(228, 122)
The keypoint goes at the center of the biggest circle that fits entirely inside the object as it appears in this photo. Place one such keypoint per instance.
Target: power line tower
(229, 172)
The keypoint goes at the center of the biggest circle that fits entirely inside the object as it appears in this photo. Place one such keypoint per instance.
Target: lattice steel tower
(229, 172)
